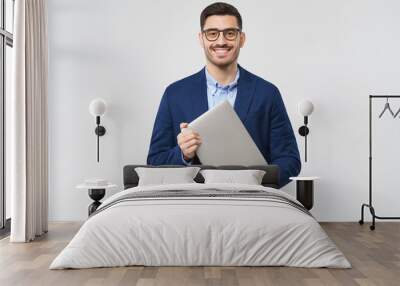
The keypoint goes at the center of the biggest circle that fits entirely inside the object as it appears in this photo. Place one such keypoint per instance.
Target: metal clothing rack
(369, 205)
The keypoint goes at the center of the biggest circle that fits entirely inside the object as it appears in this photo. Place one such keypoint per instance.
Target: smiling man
(257, 102)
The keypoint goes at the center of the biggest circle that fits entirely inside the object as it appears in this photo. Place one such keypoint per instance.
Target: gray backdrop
(334, 53)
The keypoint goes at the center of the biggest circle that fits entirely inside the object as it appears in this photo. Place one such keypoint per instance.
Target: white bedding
(200, 231)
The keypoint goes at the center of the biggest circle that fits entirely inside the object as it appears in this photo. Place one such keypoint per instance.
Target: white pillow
(248, 177)
(162, 176)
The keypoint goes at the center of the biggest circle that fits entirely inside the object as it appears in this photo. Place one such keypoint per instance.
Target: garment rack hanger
(369, 205)
(387, 107)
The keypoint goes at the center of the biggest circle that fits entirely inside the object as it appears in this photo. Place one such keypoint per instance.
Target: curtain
(27, 121)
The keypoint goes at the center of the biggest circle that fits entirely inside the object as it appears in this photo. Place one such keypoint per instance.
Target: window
(6, 44)
(9, 19)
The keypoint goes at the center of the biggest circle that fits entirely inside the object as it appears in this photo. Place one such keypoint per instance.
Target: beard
(221, 63)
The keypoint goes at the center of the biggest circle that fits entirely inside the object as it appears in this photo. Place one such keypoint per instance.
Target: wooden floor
(374, 255)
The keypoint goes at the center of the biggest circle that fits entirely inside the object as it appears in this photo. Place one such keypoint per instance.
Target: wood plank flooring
(374, 255)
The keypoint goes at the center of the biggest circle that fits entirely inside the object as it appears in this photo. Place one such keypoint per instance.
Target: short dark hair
(220, 8)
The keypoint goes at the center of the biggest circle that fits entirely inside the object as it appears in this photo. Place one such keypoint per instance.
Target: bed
(201, 224)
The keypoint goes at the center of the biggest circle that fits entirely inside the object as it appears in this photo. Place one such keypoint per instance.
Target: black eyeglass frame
(224, 32)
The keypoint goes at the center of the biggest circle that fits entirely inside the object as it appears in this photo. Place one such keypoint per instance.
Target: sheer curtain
(27, 160)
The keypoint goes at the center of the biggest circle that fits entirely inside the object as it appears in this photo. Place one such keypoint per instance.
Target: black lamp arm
(303, 131)
(99, 131)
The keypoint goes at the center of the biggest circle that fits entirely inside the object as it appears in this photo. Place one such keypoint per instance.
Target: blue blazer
(258, 104)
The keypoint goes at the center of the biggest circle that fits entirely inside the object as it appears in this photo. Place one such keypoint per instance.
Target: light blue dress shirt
(217, 93)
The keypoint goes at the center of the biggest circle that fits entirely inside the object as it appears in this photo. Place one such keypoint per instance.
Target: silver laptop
(225, 140)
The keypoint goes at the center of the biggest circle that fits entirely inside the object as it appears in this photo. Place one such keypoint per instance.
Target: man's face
(222, 52)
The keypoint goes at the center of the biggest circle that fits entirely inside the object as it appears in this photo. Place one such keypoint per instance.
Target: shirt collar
(213, 83)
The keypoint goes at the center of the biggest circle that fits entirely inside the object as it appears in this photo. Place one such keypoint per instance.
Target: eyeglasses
(213, 34)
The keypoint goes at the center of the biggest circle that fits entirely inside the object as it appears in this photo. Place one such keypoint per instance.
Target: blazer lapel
(199, 102)
(245, 93)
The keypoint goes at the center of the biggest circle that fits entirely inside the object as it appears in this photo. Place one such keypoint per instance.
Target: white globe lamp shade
(306, 107)
(97, 107)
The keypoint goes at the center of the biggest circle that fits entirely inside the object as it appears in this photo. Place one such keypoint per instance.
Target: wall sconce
(97, 108)
(305, 108)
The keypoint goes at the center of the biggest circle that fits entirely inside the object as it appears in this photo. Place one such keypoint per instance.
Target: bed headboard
(270, 179)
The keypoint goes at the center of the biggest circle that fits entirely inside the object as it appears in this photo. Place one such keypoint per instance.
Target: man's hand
(189, 141)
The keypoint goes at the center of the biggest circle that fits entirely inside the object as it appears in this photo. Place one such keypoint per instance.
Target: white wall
(335, 53)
